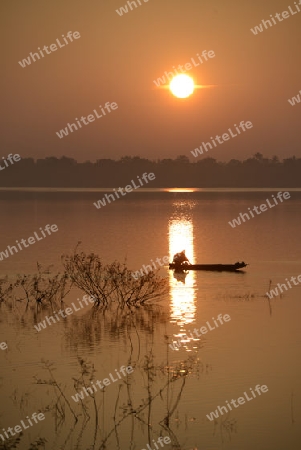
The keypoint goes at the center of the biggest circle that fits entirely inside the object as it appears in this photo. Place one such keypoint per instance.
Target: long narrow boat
(213, 267)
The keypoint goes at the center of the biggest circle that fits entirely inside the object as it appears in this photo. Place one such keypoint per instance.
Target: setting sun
(182, 86)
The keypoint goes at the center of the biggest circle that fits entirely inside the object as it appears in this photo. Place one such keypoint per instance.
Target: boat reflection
(180, 276)
(182, 285)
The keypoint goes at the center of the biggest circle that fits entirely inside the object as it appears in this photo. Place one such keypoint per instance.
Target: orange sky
(117, 58)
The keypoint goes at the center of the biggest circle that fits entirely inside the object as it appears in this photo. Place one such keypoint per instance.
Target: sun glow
(182, 86)
(182, 288)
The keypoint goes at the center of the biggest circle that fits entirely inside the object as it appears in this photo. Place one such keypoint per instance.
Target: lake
(170, 392)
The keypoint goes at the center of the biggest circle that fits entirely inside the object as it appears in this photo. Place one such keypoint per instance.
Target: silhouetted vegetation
(179, 172)
(112, 283)
(108, 283)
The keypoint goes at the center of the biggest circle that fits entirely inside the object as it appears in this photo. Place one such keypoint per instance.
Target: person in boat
(180, 258)
(240, 265)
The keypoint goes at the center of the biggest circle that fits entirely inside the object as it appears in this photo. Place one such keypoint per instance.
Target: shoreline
(144, 190)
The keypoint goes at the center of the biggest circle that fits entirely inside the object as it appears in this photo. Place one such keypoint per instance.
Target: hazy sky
(117, 58)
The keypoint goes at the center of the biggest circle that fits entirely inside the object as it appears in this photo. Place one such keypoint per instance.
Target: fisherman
(179, 258)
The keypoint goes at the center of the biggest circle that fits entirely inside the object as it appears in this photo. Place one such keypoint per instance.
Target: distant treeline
(179, 172)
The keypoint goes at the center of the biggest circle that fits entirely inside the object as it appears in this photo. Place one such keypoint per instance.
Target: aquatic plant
(112, 282)
(43, 287)
(6, 288)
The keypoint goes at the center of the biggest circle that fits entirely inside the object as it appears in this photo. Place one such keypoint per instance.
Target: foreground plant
(112, 282)
(6, 288)
(43, 288)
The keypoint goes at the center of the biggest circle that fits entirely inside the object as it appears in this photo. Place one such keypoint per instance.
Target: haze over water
(260, 344)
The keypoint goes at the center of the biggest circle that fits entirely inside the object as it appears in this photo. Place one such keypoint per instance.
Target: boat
(213, 267)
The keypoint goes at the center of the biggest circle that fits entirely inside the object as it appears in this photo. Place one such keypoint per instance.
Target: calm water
(260, 344)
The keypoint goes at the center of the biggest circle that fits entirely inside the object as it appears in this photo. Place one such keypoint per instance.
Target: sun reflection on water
(182, 286)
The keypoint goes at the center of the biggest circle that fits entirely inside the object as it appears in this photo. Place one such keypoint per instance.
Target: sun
(182, 86)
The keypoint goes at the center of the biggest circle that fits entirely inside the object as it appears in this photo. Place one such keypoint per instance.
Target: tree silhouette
(256, 171)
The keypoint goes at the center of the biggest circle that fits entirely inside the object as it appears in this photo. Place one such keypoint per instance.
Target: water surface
(259, 345)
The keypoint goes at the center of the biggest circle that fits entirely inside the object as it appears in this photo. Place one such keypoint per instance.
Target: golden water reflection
(182, 286)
